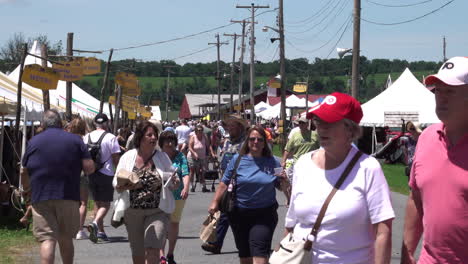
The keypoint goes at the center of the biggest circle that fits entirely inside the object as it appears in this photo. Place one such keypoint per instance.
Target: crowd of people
(65, 163)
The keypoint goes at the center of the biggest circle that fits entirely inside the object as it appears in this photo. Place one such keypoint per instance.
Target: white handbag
(293, 251)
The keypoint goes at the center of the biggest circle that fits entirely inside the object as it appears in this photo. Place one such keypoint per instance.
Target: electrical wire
(323, 19)
(193, 53)
(406, 5)
(344, 31)
(312, 17)
(407, 21)
(326, 43)
(275, 54)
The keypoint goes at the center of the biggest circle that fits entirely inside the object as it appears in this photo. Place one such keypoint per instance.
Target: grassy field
(15, 241)
(394, 173)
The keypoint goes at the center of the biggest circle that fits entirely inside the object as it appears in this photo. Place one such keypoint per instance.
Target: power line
(323, 19)
(347, 21)
(190, 54)
(333, 48)
(407, 5)
(410, 20)
(313, 16)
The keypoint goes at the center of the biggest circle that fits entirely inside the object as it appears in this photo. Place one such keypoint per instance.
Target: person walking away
(437, 207)
(168, 144)
(183, 132)
(254, 218)
(357, 224)
(198, 148)
(50, 176)
(150, 202)
(236, 127)
(78, 126)
(106, 158)
(301, 142)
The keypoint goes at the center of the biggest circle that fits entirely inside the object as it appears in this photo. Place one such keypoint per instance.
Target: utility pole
(104, 83)
(68, 110)
(241, 63)
(445, 50)
(232, 70)
(253, 8)
(18, 98)
(356, 47)
(168, 67)
(282, 73)
(118, 103)
(45, 93)
(218, 76)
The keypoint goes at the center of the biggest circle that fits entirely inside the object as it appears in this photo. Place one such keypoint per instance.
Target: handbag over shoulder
(228, 199)
(293, 251)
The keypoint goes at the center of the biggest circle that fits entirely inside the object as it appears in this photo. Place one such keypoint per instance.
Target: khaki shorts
(177, 214)
(53, 219)
(146, 228)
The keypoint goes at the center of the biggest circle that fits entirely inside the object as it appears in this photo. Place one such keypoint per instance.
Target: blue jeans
(221, 229)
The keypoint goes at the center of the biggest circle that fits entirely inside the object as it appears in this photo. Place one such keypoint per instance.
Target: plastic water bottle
(230, 187)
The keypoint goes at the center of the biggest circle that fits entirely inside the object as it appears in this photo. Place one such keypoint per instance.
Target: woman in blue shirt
(254, 219)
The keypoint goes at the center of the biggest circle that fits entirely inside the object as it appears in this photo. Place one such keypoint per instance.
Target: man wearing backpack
(105, 152)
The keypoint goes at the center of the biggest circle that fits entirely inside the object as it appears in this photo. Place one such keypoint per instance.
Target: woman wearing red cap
(356, 227)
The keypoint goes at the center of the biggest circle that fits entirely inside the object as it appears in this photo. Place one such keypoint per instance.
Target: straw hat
(410, 125)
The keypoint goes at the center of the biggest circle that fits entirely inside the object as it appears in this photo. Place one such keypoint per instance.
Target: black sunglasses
(252, 139)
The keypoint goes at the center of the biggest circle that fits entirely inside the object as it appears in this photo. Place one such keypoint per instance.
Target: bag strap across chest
(321, 215)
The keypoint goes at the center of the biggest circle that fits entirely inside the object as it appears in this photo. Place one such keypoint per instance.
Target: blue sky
(104, 24)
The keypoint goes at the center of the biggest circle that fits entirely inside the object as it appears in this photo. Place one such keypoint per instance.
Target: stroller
(213, 171)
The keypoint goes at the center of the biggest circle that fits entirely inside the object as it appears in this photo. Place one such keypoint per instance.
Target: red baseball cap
(336, 107)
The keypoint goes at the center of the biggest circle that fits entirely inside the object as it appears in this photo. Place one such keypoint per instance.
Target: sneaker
(170, 259)
(102, 237)
(81, 235)
(162, 260)
(215, 249)
(92, 229)
(204, 189)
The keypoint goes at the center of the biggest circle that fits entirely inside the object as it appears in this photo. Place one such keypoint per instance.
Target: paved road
(188, 248)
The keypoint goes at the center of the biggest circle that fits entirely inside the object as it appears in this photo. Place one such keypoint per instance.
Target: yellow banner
(300, 88)
(91, 66)
(237, 107)
(273, 83)
(126, 80)
(69, 71)
(112, 100)
(131, 115)
(39, 77)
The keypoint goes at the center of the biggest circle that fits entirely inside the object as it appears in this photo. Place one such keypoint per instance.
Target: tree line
(323, 75)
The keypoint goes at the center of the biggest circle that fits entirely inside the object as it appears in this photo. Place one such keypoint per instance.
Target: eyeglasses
(258, 139)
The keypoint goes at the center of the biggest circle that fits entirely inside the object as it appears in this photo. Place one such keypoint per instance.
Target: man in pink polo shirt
(438, 203)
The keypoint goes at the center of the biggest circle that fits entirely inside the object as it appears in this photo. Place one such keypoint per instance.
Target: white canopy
(406, 98)
(260, 107)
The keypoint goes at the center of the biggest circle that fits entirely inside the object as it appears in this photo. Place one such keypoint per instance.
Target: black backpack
(94, 149)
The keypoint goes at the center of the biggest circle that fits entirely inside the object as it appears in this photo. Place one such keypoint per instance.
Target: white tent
(406, 98)
(156, 112)
(291, 102)
(260, 107)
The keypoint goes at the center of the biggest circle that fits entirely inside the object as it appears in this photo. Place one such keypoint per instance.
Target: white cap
(453, 72)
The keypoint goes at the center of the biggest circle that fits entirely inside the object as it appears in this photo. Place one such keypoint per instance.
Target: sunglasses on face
(258, 139)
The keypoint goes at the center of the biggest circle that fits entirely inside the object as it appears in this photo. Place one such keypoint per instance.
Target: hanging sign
(39, 77)
(126, 80)
(69, 71)
(91, 66)
(131, 115)
(274, 83)
(112, 100)
(131, 91)
(300, 88)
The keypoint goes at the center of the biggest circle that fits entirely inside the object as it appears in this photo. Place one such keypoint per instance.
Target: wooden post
(283, 74)
(118, 101)
(231, 86)
(45, 93)
(18, 98)
(69, 95)
(104, 83)
(356, 47)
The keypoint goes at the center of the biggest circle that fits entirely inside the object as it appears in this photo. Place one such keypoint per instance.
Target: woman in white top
(358, 222)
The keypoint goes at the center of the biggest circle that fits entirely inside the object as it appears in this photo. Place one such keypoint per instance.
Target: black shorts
(100, 186)
(253, 230)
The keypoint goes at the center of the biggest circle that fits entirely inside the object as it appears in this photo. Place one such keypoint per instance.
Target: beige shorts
(177, 214)
(146, 228)
(55, 218)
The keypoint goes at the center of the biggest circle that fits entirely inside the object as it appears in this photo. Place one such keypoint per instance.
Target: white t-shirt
(183, 132)
(109, 146)
(346, 233)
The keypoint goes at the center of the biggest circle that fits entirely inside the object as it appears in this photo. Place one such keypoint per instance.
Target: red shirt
(440, 173)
